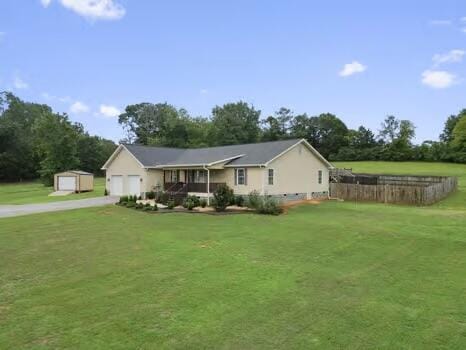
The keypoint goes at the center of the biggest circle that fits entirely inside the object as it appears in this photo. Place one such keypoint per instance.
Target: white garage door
(67, 183)
(116, 185)
(133, 185)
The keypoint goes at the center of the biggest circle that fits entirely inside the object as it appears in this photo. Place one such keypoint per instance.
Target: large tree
(57, 145)
(278, 126)
(18, 159)
(235, 123)
(331, 134)
(458, 140)
(150, 124)
(93, 151)
(397, 136)
(447, 134)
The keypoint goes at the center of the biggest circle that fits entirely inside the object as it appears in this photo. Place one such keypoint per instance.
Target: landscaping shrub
(222, 195)
(203, 203)
(179, 200)
(123, 199)
(147, 207)
(254, 200)
(150, 195)
(170, 204)
(239, 201)
(138, 206)
(105, 192)
(269, 206)
(154, 208)
(130, 204)
(191, 202)
(139, 198)
(162, 197)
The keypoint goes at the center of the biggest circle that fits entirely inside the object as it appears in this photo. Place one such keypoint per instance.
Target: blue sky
(361, 60)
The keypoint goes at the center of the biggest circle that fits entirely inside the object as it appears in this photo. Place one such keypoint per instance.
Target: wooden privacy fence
(417, 190)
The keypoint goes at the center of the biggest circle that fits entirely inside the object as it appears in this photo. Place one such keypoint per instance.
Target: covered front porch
(190, 181)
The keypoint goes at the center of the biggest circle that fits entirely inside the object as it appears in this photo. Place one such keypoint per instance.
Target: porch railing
(192, 187)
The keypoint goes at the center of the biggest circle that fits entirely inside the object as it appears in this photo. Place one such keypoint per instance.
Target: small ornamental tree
(222, 197)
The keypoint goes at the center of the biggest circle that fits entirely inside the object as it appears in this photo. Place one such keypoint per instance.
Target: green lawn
(35, 192)
(334, 275)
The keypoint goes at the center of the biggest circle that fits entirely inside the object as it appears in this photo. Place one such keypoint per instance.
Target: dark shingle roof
(246, 154)
(152, 156)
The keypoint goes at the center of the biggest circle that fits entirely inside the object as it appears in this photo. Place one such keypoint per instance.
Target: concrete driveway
(25, 209)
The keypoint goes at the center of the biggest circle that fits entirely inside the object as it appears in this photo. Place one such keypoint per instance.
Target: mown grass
(36, 192)
(335, 275)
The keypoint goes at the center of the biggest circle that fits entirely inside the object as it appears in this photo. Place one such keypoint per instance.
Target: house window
(173, 176)
(319, 176)
(271, 174)
(197, 176)
(240, 176)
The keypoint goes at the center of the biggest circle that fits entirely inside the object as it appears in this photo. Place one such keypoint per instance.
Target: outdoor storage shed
(74, 180)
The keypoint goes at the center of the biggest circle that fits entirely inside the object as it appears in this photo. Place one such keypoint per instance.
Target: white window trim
(273, 177)
(237, 176)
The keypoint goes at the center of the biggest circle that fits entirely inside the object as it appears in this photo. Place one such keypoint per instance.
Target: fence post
(357, 191)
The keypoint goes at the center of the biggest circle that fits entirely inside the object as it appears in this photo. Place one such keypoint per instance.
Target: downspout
(263, 180)
(208, 184)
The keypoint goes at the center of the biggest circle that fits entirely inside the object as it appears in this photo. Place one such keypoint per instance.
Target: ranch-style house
(289, 169)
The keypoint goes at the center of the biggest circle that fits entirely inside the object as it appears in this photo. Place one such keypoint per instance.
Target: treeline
(36, 142)
(234, 123)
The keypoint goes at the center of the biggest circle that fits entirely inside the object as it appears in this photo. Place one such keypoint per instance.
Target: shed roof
(77, 172)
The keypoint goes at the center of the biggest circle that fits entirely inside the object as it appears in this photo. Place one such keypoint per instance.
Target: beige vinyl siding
(125, 164)
(296, 172)
(254, 179)
(154, 178)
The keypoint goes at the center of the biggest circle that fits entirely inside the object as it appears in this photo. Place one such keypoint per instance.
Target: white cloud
(440, 22)
(438, 79)
(352, 68)
(463, 19)
(79, 107)
(93, 9)
(64, 99)
(204, 91)
(449, 57)
(109, 111)
(19, 83)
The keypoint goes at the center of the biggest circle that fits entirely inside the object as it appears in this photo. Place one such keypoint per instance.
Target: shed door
(116, 185)
(133, 185)
(67, 183)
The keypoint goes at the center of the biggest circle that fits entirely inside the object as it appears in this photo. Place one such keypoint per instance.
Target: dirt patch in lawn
(291, 204)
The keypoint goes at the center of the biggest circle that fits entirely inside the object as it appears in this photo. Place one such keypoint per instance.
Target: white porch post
(208, 187)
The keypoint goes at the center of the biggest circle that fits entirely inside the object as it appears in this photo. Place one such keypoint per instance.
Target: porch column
(208, 187)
